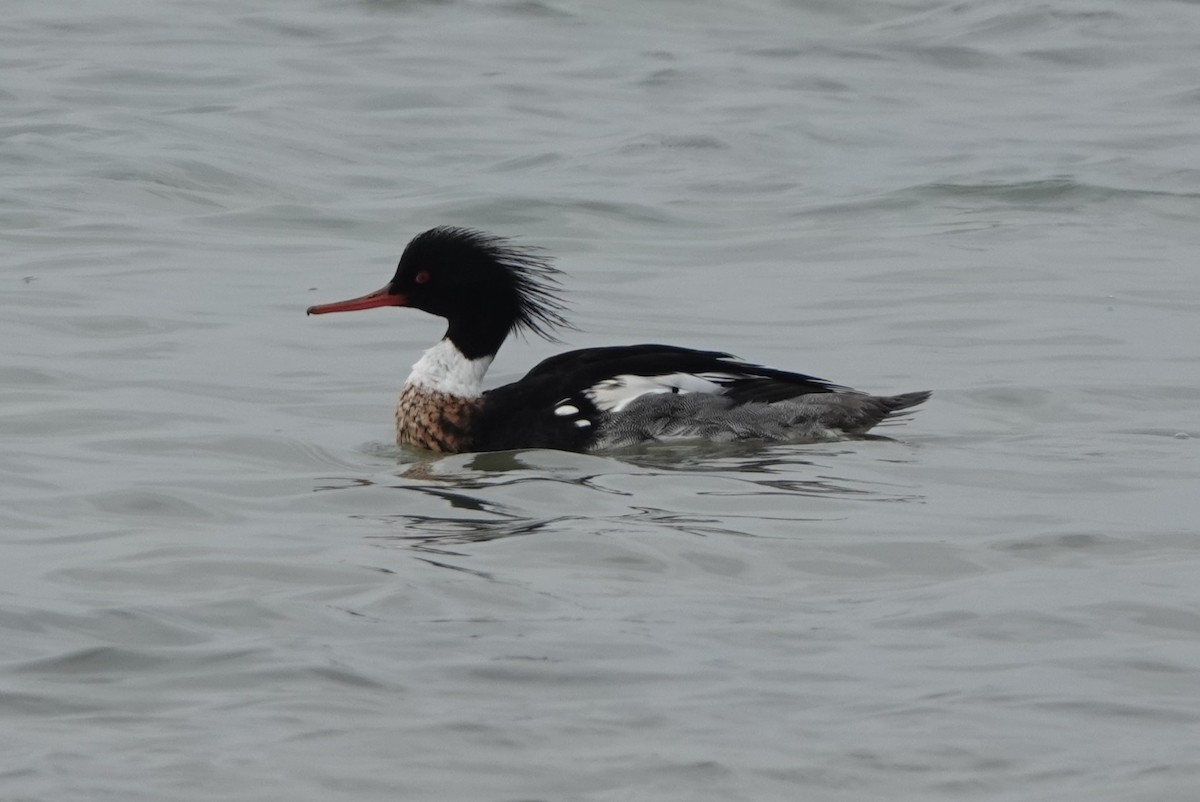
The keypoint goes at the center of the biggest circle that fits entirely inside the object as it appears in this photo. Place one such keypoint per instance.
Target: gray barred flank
(812, 418)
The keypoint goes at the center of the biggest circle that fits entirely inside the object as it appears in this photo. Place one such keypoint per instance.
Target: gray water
(219, 579)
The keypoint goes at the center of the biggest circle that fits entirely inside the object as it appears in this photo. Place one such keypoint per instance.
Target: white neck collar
(444, 369)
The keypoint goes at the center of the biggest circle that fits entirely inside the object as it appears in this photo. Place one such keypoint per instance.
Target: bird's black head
(484, 286)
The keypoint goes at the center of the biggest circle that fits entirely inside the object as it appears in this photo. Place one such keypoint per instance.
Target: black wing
(559, 403)
(587, 367)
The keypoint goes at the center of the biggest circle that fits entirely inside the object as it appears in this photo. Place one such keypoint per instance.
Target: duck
(593, 399)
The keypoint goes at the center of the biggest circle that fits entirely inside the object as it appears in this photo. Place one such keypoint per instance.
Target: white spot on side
(566, 409)
(444, 369)
(583, 423)
(613, 395)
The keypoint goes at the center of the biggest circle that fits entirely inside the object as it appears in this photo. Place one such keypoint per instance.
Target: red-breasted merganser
(594, 398)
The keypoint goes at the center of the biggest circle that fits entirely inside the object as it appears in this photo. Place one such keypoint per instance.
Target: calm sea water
(220, 580)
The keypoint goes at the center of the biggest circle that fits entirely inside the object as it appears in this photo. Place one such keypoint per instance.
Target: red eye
(422, 277)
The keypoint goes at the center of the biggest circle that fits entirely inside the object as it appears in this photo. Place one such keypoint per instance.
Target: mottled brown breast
(435, 421)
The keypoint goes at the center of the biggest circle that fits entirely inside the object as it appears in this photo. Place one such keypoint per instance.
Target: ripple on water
(734, 491)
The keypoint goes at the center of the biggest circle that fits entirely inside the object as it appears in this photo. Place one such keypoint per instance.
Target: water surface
(221, 580)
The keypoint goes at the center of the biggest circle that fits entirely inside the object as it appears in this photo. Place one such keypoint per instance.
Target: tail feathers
(895, 403)
(873, 410)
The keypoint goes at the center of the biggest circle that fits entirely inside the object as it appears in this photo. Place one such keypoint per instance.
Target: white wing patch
(613, 395)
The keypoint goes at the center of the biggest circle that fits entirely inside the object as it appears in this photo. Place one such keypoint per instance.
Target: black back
(522, 414)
